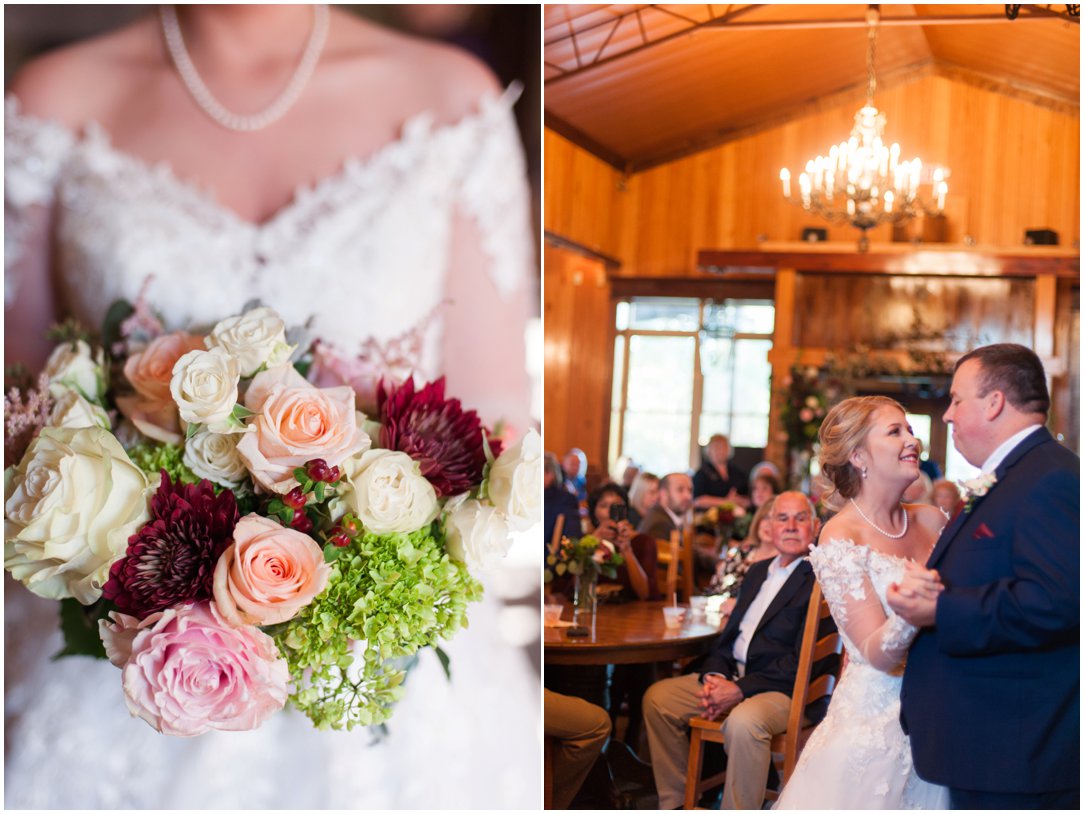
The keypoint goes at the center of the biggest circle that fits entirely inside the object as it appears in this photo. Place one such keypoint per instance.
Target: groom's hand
(915, 597)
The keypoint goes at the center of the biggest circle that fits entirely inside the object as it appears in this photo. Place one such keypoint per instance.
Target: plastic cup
(673, 617)
(698, 605)
(552, 614)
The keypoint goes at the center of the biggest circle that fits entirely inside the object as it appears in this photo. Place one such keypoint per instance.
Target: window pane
(619, 371)
(665, 314)
(739, 316)
(749, 430)
(712, 423)
(716, 362)
(660, 392)
(752, 376)
(622, 316)
(920, 428)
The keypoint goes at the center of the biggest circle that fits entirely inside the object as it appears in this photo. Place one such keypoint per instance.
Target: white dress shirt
(679, 522)
(777, 575)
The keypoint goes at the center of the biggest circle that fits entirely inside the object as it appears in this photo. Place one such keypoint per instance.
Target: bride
(336, 171)
(859, 757)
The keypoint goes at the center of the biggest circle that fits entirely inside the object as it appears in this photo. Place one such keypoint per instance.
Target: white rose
(256, 338)
(515, 482)
(70, 506)
(477, 535)
(204, 387)
(73, 411)
(390, 494)
(214, 456)
(73, 366)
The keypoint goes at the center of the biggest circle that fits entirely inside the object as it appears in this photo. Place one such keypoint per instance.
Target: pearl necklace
(171, 29)
(885, 533)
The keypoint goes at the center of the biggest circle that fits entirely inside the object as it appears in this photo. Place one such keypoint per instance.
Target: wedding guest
(579, 730)
(557, 502)
(946, 497)
(675, 499)
(765, 487)
(607, 510)
(574, 465)
(643, 495)
(717, 481)
(749, 674)
(991, 691)
(736, 560)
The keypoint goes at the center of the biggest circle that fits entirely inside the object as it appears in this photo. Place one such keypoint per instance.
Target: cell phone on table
(619, 512)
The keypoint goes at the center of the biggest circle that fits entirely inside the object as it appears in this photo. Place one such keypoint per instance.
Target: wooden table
(632, 633)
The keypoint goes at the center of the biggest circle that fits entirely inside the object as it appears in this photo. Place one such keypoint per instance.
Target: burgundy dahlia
(172, 559)
(436, 432)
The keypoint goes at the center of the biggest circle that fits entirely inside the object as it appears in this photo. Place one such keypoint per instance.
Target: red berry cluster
(313, 478)
(344, 532)
(319, 471)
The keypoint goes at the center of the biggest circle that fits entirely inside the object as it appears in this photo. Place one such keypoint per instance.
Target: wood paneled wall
(578, 347)
(1014, 166)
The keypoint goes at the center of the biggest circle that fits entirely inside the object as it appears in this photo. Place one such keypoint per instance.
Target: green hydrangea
(397, 593)
(153, 458)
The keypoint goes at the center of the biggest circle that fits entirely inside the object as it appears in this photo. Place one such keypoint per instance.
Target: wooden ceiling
(639, 85)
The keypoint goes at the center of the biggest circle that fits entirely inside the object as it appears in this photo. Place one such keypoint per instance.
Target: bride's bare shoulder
(929, 517)
(840, 527)
(441, 78)
(75, 83)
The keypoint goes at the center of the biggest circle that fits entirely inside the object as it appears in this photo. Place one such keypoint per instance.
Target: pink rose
(152, 409)
(186, 671)
(296, 423)
(268, 574)
(331, 368)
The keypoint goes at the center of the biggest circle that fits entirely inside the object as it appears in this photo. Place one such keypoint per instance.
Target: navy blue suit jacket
(991, 693)
(772, 659)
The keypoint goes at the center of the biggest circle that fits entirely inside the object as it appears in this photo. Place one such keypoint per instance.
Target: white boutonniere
(975, 488)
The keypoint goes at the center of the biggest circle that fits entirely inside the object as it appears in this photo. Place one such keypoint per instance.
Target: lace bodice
(363, 252)
(855, 579)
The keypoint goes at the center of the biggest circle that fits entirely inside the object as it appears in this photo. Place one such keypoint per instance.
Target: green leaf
(332, 552)
(191, 430)
(445, 661)
(80, 627)
(117, 313)
(320, 491)
(241, 412)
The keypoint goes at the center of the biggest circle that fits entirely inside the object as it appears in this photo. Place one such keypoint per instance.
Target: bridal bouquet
(234, 537)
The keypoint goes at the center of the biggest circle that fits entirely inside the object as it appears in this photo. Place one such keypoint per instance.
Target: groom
(991, 692)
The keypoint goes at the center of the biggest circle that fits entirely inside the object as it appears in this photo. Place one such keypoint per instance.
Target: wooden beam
(901, 258)
(581, 139)
(707, 286)
(553, 239)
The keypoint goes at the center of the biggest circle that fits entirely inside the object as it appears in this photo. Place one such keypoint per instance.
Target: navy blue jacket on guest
(772, 658)
(556, 500)
(991, 693)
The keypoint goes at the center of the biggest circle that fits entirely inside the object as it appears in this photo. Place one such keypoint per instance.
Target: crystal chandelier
(862, 180)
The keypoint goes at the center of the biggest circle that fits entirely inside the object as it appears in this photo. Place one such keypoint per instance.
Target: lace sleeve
(879, 638)
(494, 192)
(34, 153)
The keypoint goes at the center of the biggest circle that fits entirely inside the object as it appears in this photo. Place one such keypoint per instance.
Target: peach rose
(268, 574)
(296, 423)
(152, 409)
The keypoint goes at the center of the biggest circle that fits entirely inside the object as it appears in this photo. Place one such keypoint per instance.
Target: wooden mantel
(897, 258)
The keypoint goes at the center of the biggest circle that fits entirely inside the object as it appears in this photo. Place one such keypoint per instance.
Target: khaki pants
(579, 730)
(669, 705)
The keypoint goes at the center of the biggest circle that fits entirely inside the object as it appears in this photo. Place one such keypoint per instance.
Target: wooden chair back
(786, 748)
(676, 565)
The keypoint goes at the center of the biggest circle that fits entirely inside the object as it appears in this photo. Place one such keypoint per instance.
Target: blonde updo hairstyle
(843, 431)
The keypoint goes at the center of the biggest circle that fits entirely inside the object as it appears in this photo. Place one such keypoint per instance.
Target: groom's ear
(994, 403)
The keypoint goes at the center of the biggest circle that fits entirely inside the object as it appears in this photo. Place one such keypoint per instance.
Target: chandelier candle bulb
(889, 197)
(784, 176)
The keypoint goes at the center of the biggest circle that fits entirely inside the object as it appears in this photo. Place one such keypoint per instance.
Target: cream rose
(152, 409)
(73, 366)
(477, 535)
(254, 339)
(390, 494)
(214, 456)
(296, 423)
(204, 387)
(70, 506)
(515, 482)
(72, 411)
(268, 574)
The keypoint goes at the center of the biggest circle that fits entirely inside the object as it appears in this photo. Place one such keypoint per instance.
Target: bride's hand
(919, 582)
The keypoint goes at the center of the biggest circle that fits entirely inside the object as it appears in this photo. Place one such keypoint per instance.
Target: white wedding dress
(365, 253)
(859, 757)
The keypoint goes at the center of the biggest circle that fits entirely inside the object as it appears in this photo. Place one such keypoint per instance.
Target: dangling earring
(865, 472)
